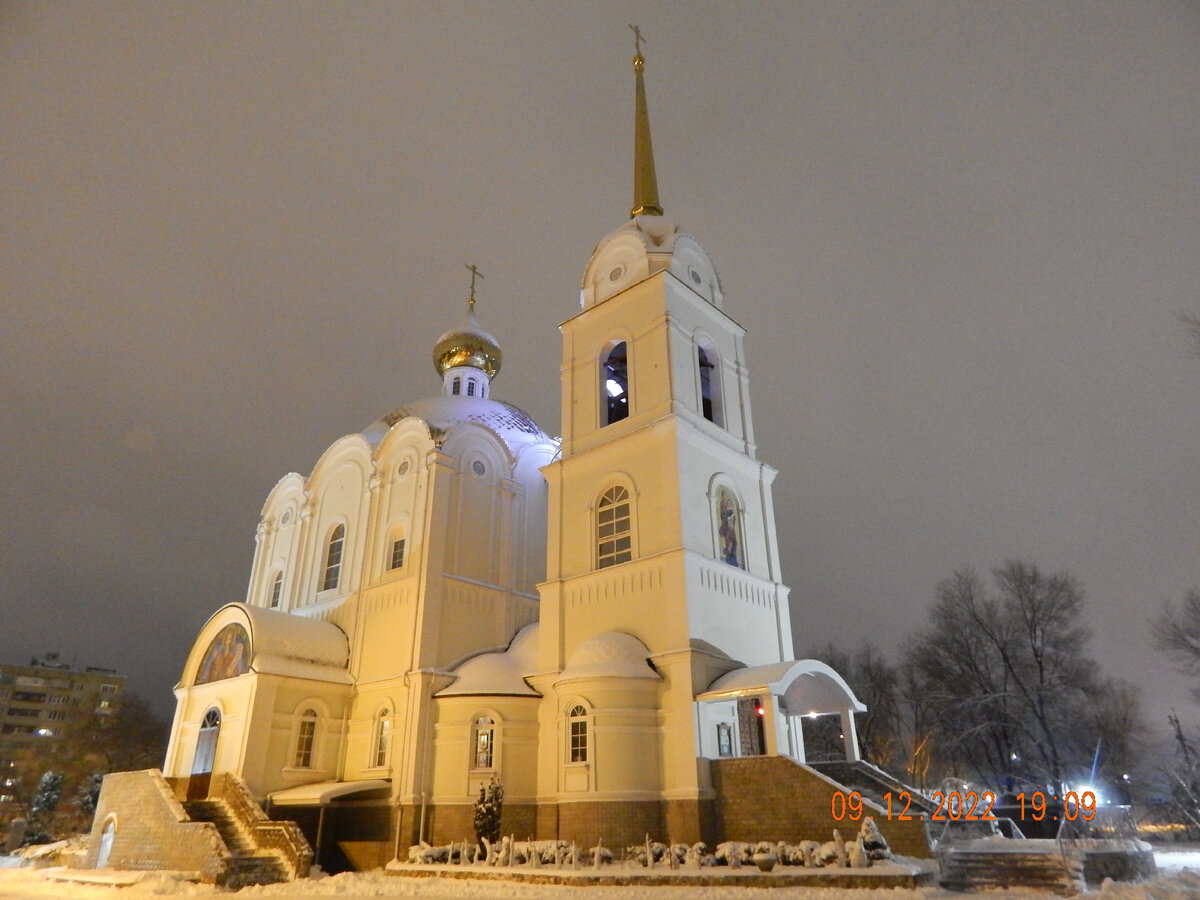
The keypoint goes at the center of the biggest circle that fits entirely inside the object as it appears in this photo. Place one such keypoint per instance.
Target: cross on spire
(475, 273)
(637, 39)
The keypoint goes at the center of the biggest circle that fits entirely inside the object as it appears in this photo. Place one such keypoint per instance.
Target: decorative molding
(737, 584)
(615, 583)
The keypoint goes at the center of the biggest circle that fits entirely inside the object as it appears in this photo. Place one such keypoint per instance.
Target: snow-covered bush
(873, 842)
(488, 809)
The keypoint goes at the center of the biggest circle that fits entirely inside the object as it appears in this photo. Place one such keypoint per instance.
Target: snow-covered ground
(1178, 879)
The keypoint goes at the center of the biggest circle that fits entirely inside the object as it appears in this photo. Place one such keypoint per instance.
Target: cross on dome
(475, 273)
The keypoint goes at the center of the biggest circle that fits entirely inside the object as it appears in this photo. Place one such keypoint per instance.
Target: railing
(286, 838)
(1108, 823)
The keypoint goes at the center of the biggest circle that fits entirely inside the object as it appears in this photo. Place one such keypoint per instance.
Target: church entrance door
(750, 726)
(206, 753)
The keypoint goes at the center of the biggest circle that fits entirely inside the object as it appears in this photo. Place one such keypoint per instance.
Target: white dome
(441, 413)
(644, 246)
(610, 654)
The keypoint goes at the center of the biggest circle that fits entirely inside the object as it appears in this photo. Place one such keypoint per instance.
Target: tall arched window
(485, 743)
(577, 735)
(383, 733)
(614, 383)
(333, 558)
(276, 590)
(456, 385)
(614, 541)
(305, 736)
(206, 742)
(710, 385)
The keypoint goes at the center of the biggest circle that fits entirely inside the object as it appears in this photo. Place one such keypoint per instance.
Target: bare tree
(1006, 676)
(1177, 632)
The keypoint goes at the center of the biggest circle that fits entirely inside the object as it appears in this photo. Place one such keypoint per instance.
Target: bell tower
(661, 524)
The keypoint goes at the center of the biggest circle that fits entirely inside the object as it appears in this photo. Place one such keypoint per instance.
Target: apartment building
(42, 704)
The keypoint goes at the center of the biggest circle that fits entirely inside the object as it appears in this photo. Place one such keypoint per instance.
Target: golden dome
(467, 345)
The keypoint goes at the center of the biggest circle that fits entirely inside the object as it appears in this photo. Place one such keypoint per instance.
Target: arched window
(383, 733)
(333, 558)
(614, 383)
(276, 590)
(577, 735)
(396, 559)
(305, 736)
(456, 385)
(710, 385)
(729, 528)
(614, 542)
(485, 743)
(470, 387)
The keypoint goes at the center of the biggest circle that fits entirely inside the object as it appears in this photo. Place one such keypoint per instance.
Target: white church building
(452, 596)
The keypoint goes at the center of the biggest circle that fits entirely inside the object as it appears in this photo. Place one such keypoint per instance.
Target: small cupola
(467, 357)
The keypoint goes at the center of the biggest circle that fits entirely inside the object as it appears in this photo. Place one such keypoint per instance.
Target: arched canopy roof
(279, 644)
(805, 685)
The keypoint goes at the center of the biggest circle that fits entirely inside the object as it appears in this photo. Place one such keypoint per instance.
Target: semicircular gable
(408, 436)
(270, 642)
(471, 436)
(288, 489)
(691, 264)
(619, 262)
(352, 449)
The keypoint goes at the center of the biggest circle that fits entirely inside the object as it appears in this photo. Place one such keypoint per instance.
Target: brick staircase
(247, 864)
(977, 865)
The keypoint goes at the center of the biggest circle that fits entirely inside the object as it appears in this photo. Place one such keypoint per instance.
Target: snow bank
(1177, 883)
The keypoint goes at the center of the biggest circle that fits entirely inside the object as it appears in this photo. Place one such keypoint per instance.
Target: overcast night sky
(959, 235)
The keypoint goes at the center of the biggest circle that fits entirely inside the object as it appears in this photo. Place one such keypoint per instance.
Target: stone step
(235, 839)
(976, 869)
(246, 865)
(259, 869)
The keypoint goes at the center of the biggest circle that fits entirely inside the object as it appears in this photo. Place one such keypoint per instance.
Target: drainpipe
(320, 833)
(421, 834)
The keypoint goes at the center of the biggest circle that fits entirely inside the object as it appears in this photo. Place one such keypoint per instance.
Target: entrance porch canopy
(321, 792)
(789, 691)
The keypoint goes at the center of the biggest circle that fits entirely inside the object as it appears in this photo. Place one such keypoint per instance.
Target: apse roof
(286, 644)
(499, 673)
(610, 654)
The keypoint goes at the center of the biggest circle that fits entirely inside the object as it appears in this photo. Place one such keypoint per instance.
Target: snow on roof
(610, 654)
(441, 413)
(806, 686)
(286, 644)
(499, 673)
(321, 792)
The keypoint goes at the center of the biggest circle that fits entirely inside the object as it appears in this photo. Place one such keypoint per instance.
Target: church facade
(452, 596)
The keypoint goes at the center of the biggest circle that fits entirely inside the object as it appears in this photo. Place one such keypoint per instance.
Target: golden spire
(645, 184)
